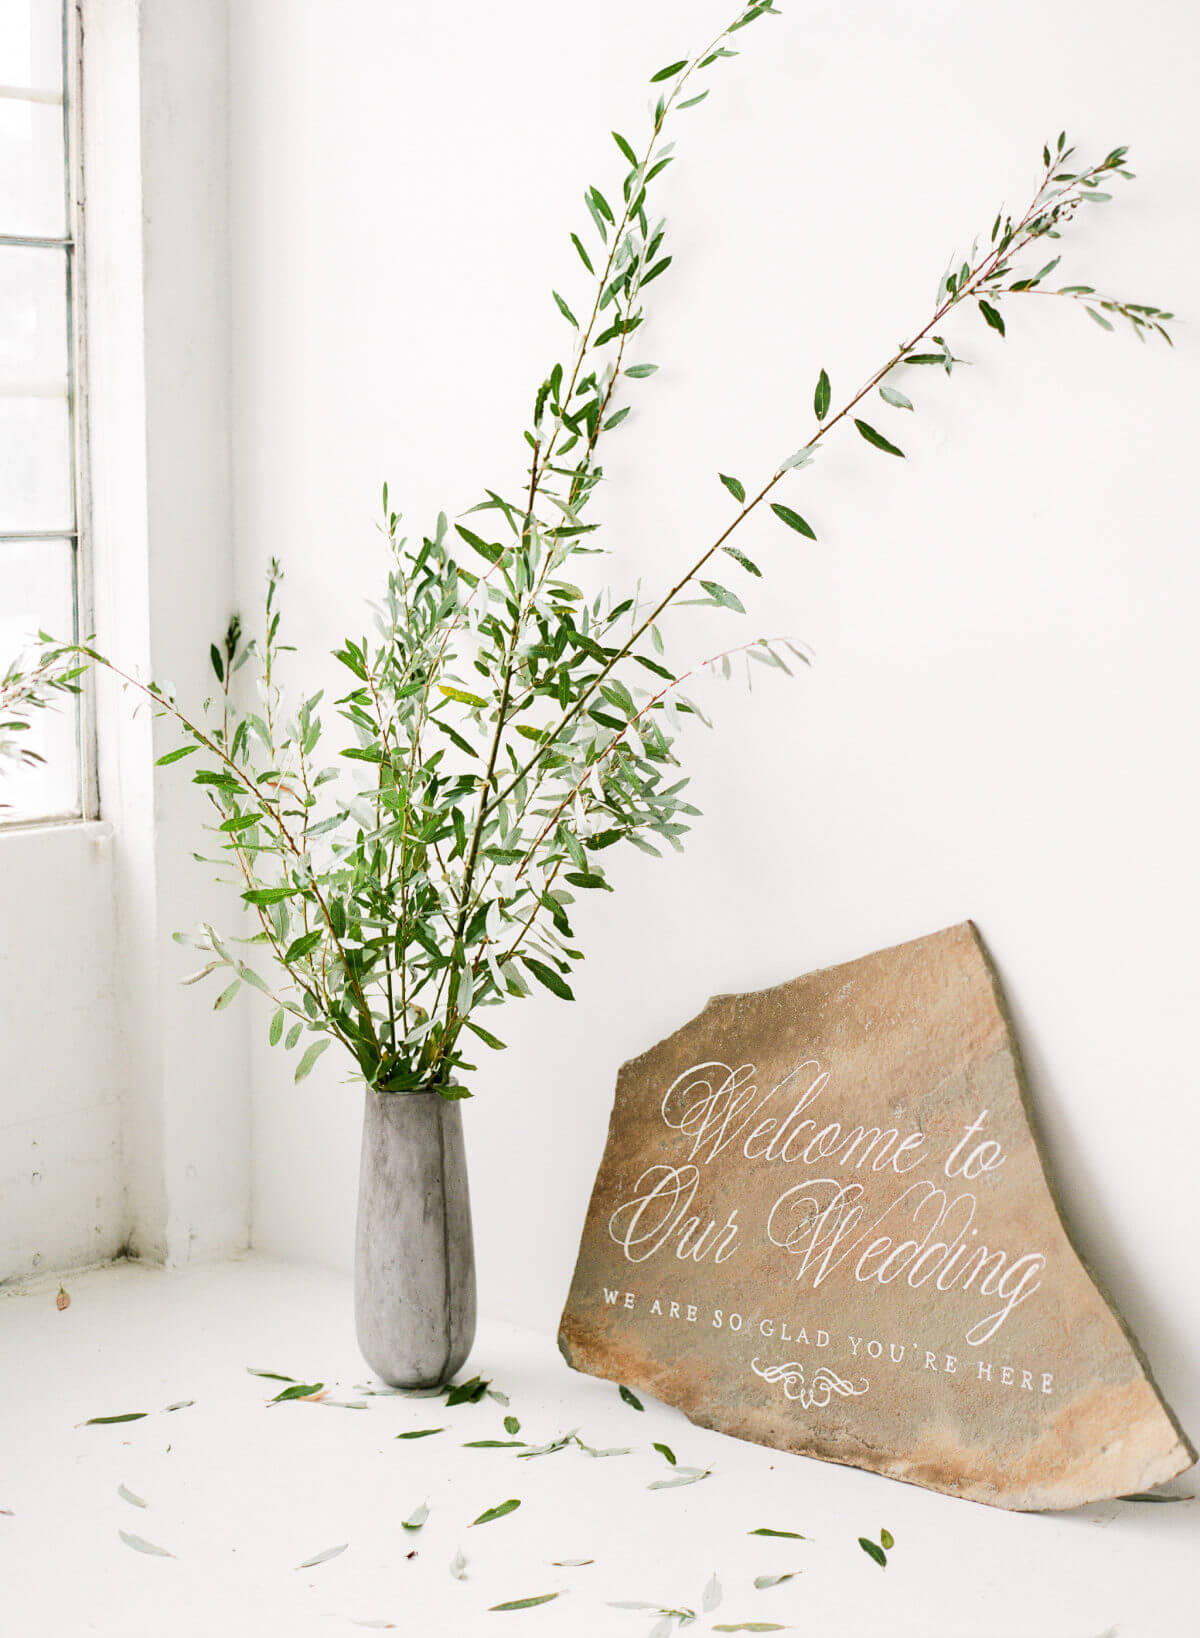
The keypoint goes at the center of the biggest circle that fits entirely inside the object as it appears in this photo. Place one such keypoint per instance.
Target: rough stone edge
(1050, 1181)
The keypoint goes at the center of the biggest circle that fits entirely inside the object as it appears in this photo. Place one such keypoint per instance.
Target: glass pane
(32, 168)
(37, 591)
(35, 430)
(31, 44)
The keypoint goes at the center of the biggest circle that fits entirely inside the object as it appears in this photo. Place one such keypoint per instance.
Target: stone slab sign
(822, 1222)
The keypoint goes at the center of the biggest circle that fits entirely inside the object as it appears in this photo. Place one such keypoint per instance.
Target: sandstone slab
(822, 1222)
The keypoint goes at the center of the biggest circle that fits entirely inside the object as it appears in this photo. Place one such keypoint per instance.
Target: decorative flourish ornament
(825, 1383)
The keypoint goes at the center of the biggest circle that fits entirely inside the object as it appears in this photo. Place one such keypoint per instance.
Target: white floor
(242, 1495)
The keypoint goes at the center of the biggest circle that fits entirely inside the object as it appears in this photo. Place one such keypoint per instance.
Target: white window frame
(72, 246)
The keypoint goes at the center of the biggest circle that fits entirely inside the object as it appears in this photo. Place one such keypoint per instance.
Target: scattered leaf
(140, 1545)
(416, 1519)
(750, 1626)
(630, 1398)
(500, 1398)
(419, 1433)
(497, 1512)
(494, 1444)
(791, 1535)
(887, 1540)
(128, 1495)
(762, 1582)
(180, 1404)
(666, 1452)
(1153, 1496)
(105, 1421)
(873, 1550)
(63, 1300)
(571, 1563)
(524, 1603)
(511, 1425)
(323, 1558)
(458, 1565)
(271, 1376)
(712, 1594)
(298, 1390)
(682, 1476)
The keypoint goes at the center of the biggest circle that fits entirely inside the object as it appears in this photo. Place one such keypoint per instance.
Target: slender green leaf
(792, 519)
(992, 315)
(877, 438)
(497, 1512)
(524, 1603)
(309, 1057)
(821, 397)
(734, 487)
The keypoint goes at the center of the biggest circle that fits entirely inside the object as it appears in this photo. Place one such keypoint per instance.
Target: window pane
(38, 581)
(31, 43)
(32, 185)
(35, 432)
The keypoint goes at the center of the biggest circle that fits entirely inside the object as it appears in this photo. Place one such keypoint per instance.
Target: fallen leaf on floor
(750, 1626)
(524, 1603)
(271, 1376)
(323, 1558)
(181, 1404)
(500, 1398)
(63, 1299)
(419, 1433)
(666, 1452)
(630, 1398)
(1153, 1496)
(341, 1404)
(494, 1444)
(791, 1535)
(873, 1550)
(103, 1421)
(561, 1443)
(128, 1495)
(377, 1624)
(458, 1566)
(682, 1476)
(467, 1393)
(762, 1582)
(140, 1545)
(298, 1390)
(613, 1450)
(497, 1512)
(712, 1595)
(571, 1563)
(511, 1425)
(417, 1519)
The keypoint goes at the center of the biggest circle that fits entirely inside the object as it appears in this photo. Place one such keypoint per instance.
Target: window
(42, 580)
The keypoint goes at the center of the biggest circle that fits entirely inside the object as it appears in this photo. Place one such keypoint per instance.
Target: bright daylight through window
(40, 570)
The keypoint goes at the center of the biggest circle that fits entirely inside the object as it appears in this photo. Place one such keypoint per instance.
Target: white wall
(1001, 719)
